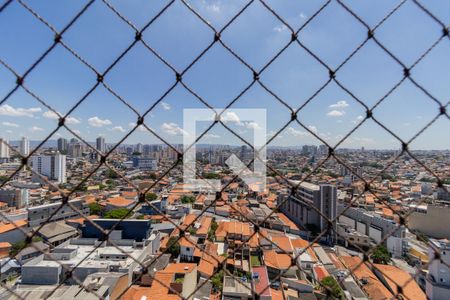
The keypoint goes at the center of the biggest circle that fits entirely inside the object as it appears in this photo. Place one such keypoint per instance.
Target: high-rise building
(312, 206)
(51, 165)
(4, 149)
(76, 150)
(62, 145)
(101, 146)
(139, 148)
(24, 146)
(438, 277)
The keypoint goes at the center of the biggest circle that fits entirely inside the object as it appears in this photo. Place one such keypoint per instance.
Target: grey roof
(54, 229)
(41, 247)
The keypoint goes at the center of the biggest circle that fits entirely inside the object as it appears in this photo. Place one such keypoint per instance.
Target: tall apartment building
(14, 197)
(62, 145)
(310, 199)
(51, 165)
(76, 149)
(24, 146)
(101, 145)
(443, 193)
(4, 149)
(438, 277)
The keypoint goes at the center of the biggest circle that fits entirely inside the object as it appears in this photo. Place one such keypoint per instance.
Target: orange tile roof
(119, 202)
(397, 277)
(204, 225)
(206, 268)
(287, 221)
(5, 245)
(187, 242)
(374, 288)
(128, 194)
(179, 268)
(5, 227)
(283, 243)
(276, 260)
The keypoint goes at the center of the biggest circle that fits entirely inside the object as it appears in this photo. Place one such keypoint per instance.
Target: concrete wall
(375, 234)
(435, 222)
(43, 275)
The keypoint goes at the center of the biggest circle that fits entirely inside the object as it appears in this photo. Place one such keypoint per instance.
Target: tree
(174, 247)
(111, 174)
(212, 230)
(331, 285)
(211, 176)
(217, 281)
(95, 209)
(187, 199)
(118, 213)
(381, 255)
(151, 196)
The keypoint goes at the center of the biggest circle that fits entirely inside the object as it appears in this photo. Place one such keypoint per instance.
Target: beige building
(433, 220)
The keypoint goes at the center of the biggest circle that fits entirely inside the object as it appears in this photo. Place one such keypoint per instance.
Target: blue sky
(99, 36)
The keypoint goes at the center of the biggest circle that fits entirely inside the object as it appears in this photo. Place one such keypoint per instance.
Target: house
(4, 249)
(236, 288)
(57, 233)
(118, 202)
(177, 280)
(13, 232)
(394, 277)
(187, 247)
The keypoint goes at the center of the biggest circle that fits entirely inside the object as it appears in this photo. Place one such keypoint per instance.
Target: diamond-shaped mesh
(258, 230)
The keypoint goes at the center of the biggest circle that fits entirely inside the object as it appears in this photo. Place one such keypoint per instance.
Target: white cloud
(165, 106)
(118, 129)
(211, 7)
(140, 128)
(336, 113)
(312, 128)
(35, 129)
(9, 131)
(231, 117)
(10, 124)
(97, 122)
(252, 125)
(271, 133)
(211, 136)
(302, 16)
(340, 104)
(8, 110)
(52, 115)
(358, 119)
(295, 132)
(76, 131)
(172, 129)
(280, 28)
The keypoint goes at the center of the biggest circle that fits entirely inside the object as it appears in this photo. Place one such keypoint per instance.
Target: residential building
(13, 232)
(443, 193)
(438, 278)
(145, 163)
(14, 197)
(4, 149)
(100, 144)
(24, 146)
(53, 166)
(312, 206)
(62, 145)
